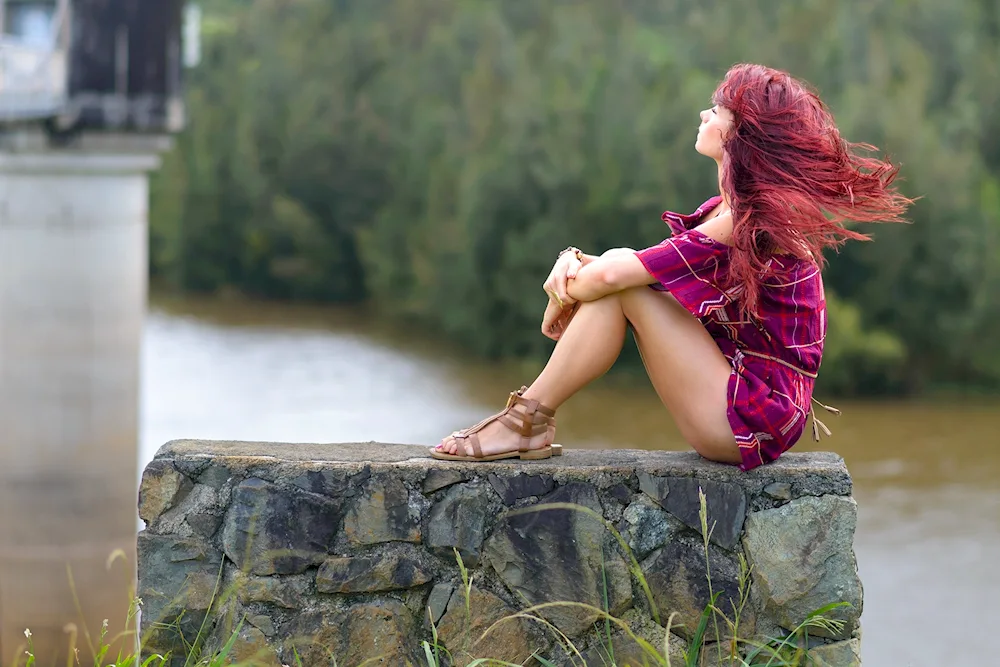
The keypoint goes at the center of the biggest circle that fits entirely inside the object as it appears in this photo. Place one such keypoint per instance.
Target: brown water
(926, 474)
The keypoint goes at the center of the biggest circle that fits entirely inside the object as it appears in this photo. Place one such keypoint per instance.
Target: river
(925, 473)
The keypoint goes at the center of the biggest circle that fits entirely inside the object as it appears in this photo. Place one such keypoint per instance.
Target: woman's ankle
(543, 398)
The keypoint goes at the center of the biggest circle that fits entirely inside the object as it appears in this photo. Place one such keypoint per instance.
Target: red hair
(791, 179)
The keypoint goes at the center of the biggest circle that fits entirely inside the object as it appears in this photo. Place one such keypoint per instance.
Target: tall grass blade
(698, 638)
(431, 662)
(219, 659)
(607, 608)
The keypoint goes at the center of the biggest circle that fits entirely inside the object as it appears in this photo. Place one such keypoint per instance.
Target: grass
(787, 651)
(729, 649)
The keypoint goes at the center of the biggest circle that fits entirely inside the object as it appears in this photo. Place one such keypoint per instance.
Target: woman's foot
(494, 439)
(524, 428)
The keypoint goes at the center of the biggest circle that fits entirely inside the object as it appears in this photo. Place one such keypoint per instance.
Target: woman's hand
(563, 271)
(557, 318)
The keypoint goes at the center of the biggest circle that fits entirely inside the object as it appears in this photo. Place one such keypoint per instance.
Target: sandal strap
(481, 425)
(524, 427)
(533, 419)
(473, 439)
(517, 398)
(477, 451)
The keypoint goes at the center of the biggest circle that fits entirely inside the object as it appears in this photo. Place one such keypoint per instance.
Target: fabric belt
(817, 424)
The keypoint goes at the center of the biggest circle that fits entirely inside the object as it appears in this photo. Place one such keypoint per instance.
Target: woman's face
(715, 125)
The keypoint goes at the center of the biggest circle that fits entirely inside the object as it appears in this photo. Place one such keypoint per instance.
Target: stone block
(439, 478)
(647, 527)
(803, 559)
(458, 521)
(383, 513)
(621, 493)
(251, 648)
(198, 513)
(677, 576)
(334, 483)
(437, 601)
(377, 632)
(274, 530)
(656, 487)
(215, 476)
(512, 488)
(463, 634)
(162, 485)
(388, 572)
(726, 504)
(263, 623)
(178, 578)
(203, 524)
(837, 654)
(288, 592)
(561, 555)
(779, 490)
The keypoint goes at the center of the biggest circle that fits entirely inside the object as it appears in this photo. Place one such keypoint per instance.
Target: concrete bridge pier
(73, 287)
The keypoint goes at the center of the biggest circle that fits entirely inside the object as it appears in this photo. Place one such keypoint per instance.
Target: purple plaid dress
(774, 359)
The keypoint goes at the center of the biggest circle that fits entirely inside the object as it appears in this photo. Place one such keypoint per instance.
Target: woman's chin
(708, 151)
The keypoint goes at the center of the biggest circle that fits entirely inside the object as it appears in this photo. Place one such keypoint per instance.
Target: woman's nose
(703, 116)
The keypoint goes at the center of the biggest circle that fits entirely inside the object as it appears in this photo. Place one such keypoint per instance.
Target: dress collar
(680, 223)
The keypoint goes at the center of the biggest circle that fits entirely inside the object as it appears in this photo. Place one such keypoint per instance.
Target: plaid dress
(775, 358)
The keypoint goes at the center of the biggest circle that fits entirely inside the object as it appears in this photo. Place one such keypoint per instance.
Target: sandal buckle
(514, 395)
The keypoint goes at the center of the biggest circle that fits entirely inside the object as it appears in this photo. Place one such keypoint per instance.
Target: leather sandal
(530, 420)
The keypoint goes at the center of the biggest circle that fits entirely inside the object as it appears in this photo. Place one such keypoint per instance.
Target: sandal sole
(530, 455)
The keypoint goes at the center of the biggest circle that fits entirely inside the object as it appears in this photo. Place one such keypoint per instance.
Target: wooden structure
(92, 64)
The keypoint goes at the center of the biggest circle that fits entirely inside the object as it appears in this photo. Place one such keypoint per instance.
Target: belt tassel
(817, 424)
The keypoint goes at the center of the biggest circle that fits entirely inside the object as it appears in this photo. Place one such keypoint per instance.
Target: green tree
(432, 156)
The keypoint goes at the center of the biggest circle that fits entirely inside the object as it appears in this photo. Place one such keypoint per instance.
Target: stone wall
(350, 551)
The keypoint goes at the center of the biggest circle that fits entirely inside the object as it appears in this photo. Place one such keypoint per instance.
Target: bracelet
(573, 249)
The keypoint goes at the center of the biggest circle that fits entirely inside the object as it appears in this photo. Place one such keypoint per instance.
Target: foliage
(433, 156)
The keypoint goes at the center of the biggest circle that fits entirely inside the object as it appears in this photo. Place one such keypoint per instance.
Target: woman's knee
(605, 307)
(613, 300)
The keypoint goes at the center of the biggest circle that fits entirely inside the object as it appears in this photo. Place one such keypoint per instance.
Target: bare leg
(586, 350)
(687, 369)
(684, 363)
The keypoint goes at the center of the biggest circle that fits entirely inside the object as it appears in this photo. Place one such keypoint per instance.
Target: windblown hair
(791, 179)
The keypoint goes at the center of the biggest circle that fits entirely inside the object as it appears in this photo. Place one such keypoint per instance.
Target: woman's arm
(619, 269)
(614, 271)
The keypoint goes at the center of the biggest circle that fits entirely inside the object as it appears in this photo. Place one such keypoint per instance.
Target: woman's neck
(722, 191)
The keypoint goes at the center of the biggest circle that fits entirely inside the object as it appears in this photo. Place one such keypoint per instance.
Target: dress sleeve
(692, 267)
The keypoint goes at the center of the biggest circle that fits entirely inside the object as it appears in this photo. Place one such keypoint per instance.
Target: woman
(732, 331)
